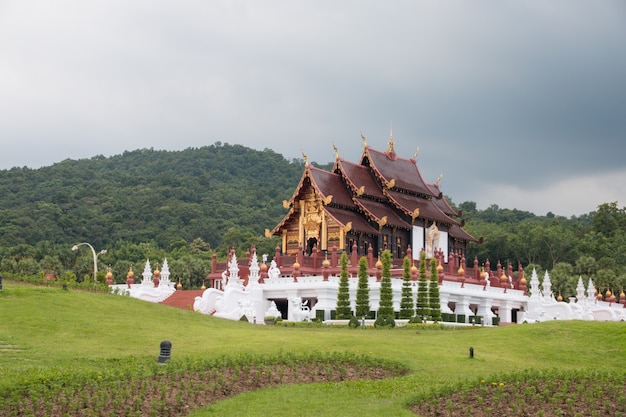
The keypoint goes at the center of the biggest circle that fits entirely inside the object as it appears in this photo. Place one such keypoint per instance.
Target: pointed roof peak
(391, 153)
(336, 152)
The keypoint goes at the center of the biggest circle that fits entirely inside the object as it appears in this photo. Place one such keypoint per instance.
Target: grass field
(51, 332)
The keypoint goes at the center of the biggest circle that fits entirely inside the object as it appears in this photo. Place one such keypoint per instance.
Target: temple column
(462, 307)
(484, 310)
(324, 233)
(443, 301)
(505, 311)
(327, 299)
(301, 237)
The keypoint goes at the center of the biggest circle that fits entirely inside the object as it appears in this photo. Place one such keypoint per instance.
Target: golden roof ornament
(364, 141)
(390, 147)
(415, 213)
(360, 191)
(336, 152)
(391, 183)
(328, 199)
(439, 179)
(306, 160)
(417, 151)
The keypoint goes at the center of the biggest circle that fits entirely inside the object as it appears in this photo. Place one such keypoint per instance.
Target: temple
(381, 203)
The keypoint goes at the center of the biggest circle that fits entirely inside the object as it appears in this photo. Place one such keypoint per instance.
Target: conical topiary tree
(363, 290)
(385, 307)
(343, 295)
(433, 292)
(407, 305)
(422, 308)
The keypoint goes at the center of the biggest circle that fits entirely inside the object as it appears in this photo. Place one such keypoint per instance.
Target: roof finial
(336, 151)
(364, 142)
(390, 148)
(439, 179)
(306, 160)
(417, 151)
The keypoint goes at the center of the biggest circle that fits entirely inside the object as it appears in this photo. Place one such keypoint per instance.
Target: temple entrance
(310, 244)
(282, 304)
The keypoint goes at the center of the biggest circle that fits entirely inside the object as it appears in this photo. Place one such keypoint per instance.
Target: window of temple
(310, 245)
(399, 247)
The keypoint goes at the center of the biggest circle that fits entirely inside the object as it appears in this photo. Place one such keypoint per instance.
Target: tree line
(186, 205)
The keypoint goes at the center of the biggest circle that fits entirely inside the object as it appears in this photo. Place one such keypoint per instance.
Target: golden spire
(336, 151)
(306, 160)
(390, 147)
(417, 151)
(439, 179)
(364, 141)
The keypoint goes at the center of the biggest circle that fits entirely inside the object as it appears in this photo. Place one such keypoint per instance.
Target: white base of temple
(309, 297)
(149, 289)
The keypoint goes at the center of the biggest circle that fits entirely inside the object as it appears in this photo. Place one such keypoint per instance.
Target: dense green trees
(591, 245)
(140, 205)
(147, 195)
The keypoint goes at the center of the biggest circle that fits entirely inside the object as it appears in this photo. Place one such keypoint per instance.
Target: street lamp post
(95, 257)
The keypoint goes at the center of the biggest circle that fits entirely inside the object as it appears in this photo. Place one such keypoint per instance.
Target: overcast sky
(517, 103)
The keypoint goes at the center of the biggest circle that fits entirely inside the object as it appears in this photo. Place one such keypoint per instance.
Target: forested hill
(147, 196)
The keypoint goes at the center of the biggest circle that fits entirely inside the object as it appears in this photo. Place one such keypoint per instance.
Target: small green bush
(385, 321)
(354, 322)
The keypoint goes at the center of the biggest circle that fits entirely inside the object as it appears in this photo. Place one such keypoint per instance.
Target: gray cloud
(517, 104)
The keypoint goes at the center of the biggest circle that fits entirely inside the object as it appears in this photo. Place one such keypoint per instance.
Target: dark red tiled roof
(360, 176)
(403, 171)
(442, 203)
(380, 210)
(459, 233)
(428, 209)
(359, 224)
(329, 183)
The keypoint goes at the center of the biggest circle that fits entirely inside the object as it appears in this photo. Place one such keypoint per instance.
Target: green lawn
(49, 330)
